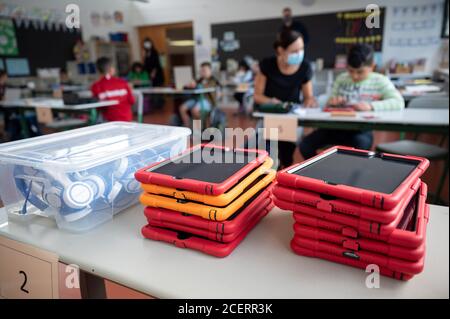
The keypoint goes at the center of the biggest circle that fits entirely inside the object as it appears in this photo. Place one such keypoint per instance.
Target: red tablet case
(395, 264)
(357, 224)
(212, 235)
(411, 254)
(198, 186)
(170, 217)
(346, 261)
(345, 207)
(398, 237)
(198, 243)
(363, 196)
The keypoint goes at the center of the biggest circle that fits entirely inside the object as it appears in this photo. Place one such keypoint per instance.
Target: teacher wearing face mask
(285, 77)
(152, 64)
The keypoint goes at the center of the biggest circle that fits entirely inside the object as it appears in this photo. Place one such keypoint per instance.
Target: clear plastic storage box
(84, 176)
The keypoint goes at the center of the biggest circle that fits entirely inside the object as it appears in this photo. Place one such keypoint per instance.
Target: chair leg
(437, 196)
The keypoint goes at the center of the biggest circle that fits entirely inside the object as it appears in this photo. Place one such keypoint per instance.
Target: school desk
(178, 92)
(262, 266)
(21, 105)
(406, 120)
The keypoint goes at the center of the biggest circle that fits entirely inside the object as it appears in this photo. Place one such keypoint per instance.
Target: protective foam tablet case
(219, 237)
(358, 224)
(379, 247)
(205, 211)
(395, 264)
(346, 261)
(378, 179)
(221, 200)
(183, 240)
(236, 222)
(398, 237)
(333, 205)
(209, 178)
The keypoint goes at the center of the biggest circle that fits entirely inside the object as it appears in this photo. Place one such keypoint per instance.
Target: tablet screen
(207, 164)
(375, 173)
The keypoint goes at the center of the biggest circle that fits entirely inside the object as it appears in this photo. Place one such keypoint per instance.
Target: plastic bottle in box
(84, 176)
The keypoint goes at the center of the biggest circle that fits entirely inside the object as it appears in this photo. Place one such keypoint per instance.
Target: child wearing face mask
(363, 90)
(285, 77)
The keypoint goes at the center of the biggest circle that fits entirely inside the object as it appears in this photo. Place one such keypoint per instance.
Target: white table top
(262, 266)
(169, 90)
(434, 117)
(53, 103)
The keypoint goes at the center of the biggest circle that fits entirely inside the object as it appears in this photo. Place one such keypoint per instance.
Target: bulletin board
(330, 34)
(414, 33)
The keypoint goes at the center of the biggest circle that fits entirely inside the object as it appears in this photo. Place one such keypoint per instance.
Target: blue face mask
(296, 58)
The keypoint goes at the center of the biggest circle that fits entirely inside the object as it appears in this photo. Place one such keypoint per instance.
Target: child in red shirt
(111, 88)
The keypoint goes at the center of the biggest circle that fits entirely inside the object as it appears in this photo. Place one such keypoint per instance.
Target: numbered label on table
(26, 271)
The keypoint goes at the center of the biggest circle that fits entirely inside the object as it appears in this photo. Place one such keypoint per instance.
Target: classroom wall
(86, 7)
(203, 13)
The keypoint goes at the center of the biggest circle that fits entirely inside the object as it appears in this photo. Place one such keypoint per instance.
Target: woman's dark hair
(243, 64)
(286, 37)
(153, 50)
(2, 73)
(360, 55)
(136, 65)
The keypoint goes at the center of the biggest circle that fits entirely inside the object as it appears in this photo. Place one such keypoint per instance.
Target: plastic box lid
(88, 147)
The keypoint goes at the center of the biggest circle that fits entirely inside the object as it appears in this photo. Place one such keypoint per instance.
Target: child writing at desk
(361, 89)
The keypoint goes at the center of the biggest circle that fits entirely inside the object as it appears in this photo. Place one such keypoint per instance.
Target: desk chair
(416, 148)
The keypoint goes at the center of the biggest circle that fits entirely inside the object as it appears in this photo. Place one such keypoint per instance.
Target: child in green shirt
(138, 76)
(363, 90)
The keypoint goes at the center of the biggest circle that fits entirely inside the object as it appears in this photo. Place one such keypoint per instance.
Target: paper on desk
(424, 88)
(302, 111)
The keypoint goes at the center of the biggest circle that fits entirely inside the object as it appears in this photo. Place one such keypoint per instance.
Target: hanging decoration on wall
(118, 17)
(107, 18)
(95, 18)
(38, 18)
(229, 42)
(8, 41)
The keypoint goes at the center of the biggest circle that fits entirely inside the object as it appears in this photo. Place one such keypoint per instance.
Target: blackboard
(44, 48)
(256, 37)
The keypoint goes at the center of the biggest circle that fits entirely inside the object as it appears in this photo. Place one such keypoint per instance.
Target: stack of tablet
(208, 198)
(358, 208)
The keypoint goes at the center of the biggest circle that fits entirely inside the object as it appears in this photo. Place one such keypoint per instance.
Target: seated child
(108, 87)
(138, 76)
(195, 106)
(244, 75)
(362, 89)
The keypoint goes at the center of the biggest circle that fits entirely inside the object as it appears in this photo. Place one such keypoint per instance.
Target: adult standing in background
(285, 77)
(291, 24)
(152, 63)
